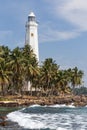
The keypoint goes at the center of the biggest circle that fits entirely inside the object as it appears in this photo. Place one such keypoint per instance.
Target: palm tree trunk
(2, 87)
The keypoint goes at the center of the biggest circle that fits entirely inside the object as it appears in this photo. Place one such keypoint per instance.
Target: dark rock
(3, 123)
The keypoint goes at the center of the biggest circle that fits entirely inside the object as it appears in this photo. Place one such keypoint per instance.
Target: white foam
(60, 128)
(56, 105)
(37, 121)
(57, 121)
(71, 106)
(25, 120)
(35, 105)
(63, 105)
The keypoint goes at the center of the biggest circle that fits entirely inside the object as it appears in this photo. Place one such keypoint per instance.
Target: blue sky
(62, 29)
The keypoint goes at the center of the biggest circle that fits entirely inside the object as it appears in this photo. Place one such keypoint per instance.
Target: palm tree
(7, 52)
(21, 65)
(1, 54)
(4, 64)
(30, 65)
(48, 72)
(76, 78)
(4, 76)
(60, 81)
(17, 69)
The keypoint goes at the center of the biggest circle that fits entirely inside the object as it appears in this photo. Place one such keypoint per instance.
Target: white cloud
(74, 11)
(49, 34)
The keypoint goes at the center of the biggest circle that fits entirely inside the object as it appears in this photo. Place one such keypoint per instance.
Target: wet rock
(79, 104)
(84, 98)
(65, 100)
(76, 99)
(3, 123)
(1, 104)
(3, 117)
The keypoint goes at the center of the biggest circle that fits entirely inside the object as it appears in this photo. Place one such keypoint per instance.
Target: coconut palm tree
(20, 65)
(16, 66)
(4, 78)
(30, 65)
(48, 73)
(76, 78)
(5, 73)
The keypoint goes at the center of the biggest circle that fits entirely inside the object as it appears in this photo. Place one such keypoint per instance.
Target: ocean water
(56, 117)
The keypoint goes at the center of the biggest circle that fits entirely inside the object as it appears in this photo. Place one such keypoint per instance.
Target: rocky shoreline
(15, 101)
(24, 101)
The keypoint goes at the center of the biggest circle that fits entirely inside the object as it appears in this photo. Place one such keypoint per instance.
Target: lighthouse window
(31, 18)
(32, 34)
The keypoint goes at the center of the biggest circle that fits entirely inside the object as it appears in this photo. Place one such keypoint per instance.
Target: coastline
(12, 103)
(24, 101)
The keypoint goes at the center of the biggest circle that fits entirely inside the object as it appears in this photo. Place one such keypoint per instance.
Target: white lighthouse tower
(31, 37)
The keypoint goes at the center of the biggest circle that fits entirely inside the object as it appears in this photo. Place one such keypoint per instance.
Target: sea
(53, 117)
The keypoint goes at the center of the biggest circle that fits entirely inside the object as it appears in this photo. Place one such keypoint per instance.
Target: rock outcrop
(29, 100)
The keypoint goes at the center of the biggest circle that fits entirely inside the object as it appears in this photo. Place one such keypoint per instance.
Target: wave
(56, 105)
(34, 121)
(53, 117)
(63, 105)
(35, 105)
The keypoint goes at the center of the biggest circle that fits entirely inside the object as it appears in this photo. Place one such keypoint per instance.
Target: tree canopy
(20, 65)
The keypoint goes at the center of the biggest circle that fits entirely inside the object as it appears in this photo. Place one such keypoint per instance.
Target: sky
(62, 29)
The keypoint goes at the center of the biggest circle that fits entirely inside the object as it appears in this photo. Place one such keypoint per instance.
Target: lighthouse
(31, 37)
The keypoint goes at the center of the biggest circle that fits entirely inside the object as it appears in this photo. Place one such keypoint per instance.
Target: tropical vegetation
(19, 67)
(80, 91)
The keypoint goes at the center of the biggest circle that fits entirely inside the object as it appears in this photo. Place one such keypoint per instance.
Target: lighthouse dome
(31, 17)
(31, 14)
